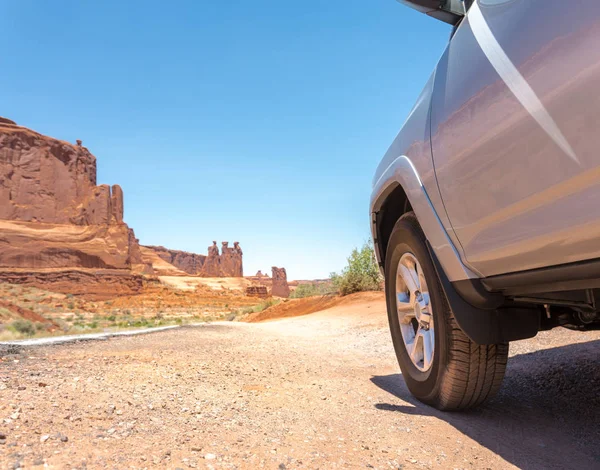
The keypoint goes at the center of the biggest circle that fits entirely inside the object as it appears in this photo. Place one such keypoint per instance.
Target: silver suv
(485, 210)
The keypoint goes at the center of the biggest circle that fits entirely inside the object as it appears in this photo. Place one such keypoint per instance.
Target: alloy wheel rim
(415, 312)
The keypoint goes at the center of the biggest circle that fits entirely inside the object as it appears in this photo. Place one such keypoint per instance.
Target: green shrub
(361, 273)
(25, 327)
(313, 289)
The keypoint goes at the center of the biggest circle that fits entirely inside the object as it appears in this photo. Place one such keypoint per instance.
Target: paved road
(321, 391)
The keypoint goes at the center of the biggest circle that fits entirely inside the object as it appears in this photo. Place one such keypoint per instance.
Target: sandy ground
(216, 283)
(316, 391)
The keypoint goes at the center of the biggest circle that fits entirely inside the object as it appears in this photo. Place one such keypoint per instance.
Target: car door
(515, 126)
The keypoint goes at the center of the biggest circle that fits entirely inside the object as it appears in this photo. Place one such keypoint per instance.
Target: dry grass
(158, 305)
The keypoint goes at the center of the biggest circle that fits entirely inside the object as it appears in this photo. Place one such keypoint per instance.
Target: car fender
(402, 172)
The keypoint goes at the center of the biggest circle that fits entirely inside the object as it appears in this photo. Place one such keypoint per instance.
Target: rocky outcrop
(231, 260)
(47, 180)
(52, 213)
(38, 245)
(212, 267)
(280, 285)
(257, 291)
(92, 284)
(190, 263)
(228, 263)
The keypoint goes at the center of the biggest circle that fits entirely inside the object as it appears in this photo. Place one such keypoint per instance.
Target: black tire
(463, 374)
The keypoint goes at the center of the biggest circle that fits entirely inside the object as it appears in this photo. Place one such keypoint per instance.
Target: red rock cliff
(52, 214)
(228, 263)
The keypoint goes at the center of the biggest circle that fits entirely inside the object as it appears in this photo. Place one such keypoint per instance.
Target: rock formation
(52, 213)
(280, 285)
(50, 181)
(228, 263)
(231, 260)
(257, 291)
(190, 263)
(212, 266)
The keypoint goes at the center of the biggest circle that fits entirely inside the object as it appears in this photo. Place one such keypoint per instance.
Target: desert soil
(315, 391)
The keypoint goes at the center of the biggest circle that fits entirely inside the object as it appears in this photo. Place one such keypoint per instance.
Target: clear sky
(253, 121)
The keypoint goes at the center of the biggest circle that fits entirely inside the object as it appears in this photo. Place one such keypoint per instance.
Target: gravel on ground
(317, 391)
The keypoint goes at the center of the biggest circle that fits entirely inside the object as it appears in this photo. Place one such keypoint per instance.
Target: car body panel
(520, 179)
(408, 163)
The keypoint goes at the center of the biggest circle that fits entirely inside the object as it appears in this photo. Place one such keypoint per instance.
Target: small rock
(64, 439)
(44, 438)
(210, 456)
(42, 384)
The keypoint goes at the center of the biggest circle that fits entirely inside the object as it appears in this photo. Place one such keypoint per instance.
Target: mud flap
(488, 326)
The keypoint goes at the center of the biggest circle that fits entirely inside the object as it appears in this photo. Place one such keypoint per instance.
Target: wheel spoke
(417, 352)
(405, 308)
(410, 278)
(428, 347)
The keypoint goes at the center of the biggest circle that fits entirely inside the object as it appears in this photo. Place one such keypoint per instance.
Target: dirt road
(318, 391)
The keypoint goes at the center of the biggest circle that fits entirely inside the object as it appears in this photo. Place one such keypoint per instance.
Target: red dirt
(308, 305)
(27, 314)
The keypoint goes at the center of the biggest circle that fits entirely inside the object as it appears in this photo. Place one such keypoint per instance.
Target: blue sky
(255, 121)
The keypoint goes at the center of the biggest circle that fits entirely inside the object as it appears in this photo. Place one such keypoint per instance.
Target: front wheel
(440, 364)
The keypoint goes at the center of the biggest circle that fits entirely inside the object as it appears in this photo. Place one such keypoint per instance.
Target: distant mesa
(227, 263)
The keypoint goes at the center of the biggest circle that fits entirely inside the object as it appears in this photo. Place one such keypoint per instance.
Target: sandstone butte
(61, 231)
(57, 226)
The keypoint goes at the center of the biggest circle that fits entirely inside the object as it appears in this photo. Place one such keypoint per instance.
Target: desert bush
(25, 327)
(361, 273)
(313, 289)
(266, 304)
(260, 307)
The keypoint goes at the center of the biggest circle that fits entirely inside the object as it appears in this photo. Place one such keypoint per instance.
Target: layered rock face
(228, 263)
(52, 213)
(280, 285)
(47, 180)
